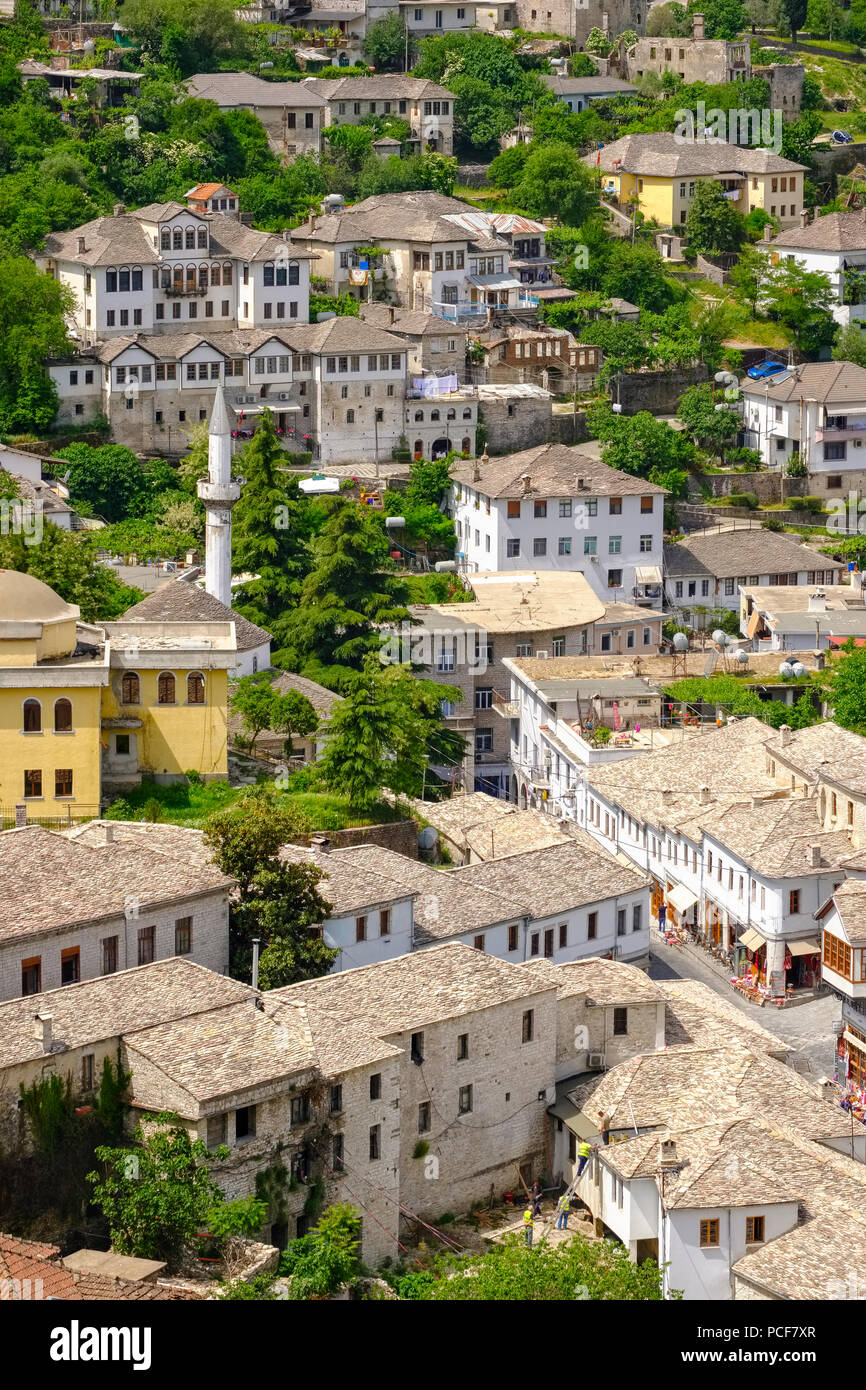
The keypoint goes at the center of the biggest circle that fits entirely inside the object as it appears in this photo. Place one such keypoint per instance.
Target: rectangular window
(70, 965)
(31, 975)
(512, 549)
(299, 1110)
(513, 509)
(375, 1142)
(424, 1117)
(590, 545)
(462, 1047)
(620, 1022)
(646, 544)
(592, 926)
(754, 1230)
(564, 545)
(376, 1086)
(336, 1100)
(615, 504)
(63, 781)
(464, 1100)
(540, 509)
(360, 929)
(245, 1122)
(794, 900)
(636, 917)
(416, 1048)
(528, 1026)
(109, 955)
(709, 1233)
(183, 936)
(385, 921)
(512, 937)
(146, 944)
(539, 545)
(87, 1072)
(620, 921)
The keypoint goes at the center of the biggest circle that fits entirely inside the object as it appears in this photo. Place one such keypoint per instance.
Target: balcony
(508, 709)
(182, 291)
(539, 776)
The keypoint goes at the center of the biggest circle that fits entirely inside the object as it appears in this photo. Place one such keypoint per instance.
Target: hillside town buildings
(816, 410)
(706, 573)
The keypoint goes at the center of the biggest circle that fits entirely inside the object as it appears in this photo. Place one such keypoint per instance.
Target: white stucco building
(704, 572)
(818, 410)
(834, 246)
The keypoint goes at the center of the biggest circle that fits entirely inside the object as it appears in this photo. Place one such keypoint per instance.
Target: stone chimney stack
(805, 217)
(815, 856)
(20, 814)
(785, 735)
(704, 796)
(768, 232)
(527, 484)
(697, 26)
(817, 602)
(42, 1030)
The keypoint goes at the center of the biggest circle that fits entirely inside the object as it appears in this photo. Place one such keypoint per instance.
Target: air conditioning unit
(614, 632)
(858, 443)
(595, 1061)
(541, 656)
(284, 396)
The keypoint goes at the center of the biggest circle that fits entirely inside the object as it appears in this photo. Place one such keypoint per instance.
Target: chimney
(257, 941)
(768, 232)
(819, 660)
(118, 210)
(320, 843)
(697, 26)
(704, 796)
(784, 735)
(804, 217)
(581, 484)
(82, 245)
(756, 802)
(527, 484)
(42, 1030)
(815, 856)
(476, 472)
(827, 1089)
(20, 814)
(667, 796)
(391, 312)
(667, 1153)
(109, 834)
(817, 602)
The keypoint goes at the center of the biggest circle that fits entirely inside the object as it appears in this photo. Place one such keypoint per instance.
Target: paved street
(808, 1028)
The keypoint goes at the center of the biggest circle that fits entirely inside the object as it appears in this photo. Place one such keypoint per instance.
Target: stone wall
(658, 392)
(519, 423)
(715, 269)
(400, 836)
(567, 427)
(766, 485)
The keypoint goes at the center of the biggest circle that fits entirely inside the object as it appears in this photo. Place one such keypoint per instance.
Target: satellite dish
(681, 642)
(786, 670)
(742, 657)
(799, 669)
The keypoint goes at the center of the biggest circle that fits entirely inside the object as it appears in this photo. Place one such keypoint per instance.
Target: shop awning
(752, 940)
(811, 946)
(648, 574)
(681, 898)
(853, 1040)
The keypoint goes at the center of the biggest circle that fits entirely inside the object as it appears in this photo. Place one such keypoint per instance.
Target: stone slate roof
(826, 750)
(123, 239)
(348, 886)
(322, 700)
(850, 900)
(554, 471)
(585, 86)
(604, 982)
(831, 383)
(732, 554)
(391, 216)
(665, 156)
(48, 882)
(177, 841)
(181, 600)
(409, 323)
(111, 1005)
(385, 86)
(245, 89)
(408, 993)
(838, 231)
(775, 837)
(557, 878)
(695, 1016)
(810, 1262)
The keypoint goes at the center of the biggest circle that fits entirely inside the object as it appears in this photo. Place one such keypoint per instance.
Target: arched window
(32, 717)
(202, 237)
(62, 716)
(190, 238)
(344, 393)
(227, 272)
(434, 415)
(466, 446)
(165, 239)
(202, 277)
(177, 240)
(268, 273)
(452, 415)
(165, 277)
(137, 278)
(467, 415)
(111, 280)
(195, 688)
(123, 279)
(178, 277)
(190, 277)
(214, 274)
(419, 416)
(130, 692)
(165, 689)
(418, 450)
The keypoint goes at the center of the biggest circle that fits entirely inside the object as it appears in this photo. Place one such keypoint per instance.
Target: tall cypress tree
(271, 527)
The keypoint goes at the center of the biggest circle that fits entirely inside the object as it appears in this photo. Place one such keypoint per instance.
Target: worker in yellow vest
(527, 1226)
(583, 1152)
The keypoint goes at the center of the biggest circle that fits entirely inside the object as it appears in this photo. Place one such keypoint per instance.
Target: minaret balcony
(220, 494)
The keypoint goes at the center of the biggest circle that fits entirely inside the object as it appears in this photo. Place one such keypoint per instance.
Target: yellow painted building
(87, 709)
(660, 172)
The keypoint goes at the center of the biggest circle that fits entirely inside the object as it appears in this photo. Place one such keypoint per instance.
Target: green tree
(634, 271)
(723, 19)
(67, 563)
(850, 345)
(157, 1195)
(191, 35)
(670, 21)
(847, 688)
(802, 300)
(556, 183)
(385, 43)
(597, 42)
(261, 706)
(640, 444)
(510, 1272)
(711, 429)
(713, 224)
(33, 309)
(271, 526)
(347, 594)
(749, 276)
(319, 1263)
(107, 477)
(506, 170)
(581, 65)
(794, 12)
(278, 902)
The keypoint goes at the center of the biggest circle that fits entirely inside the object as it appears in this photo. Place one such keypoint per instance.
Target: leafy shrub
(743, 499)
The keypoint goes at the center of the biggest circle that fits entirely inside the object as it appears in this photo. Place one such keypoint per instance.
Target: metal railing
(71, 814)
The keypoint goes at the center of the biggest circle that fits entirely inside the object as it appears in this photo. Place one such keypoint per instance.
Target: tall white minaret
(219, 495)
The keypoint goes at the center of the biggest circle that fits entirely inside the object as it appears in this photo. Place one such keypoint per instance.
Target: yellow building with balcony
(660, 173)
(88, 709)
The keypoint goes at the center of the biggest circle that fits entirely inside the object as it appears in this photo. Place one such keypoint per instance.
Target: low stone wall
(568, 428)
(717, 269)
(658, 392)
(766, 485)
(400, 835)
(472, 175)
(693, 516)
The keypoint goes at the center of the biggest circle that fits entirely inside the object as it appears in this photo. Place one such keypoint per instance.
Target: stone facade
(515, 417)
(575, 18)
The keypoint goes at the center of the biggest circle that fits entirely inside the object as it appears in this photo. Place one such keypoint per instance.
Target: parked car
(841, 137)
(765, 369)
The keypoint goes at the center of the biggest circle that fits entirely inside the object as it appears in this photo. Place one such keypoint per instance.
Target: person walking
(527, 1227)
(583, 1152)
(537, 1193)
(563, 1209)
